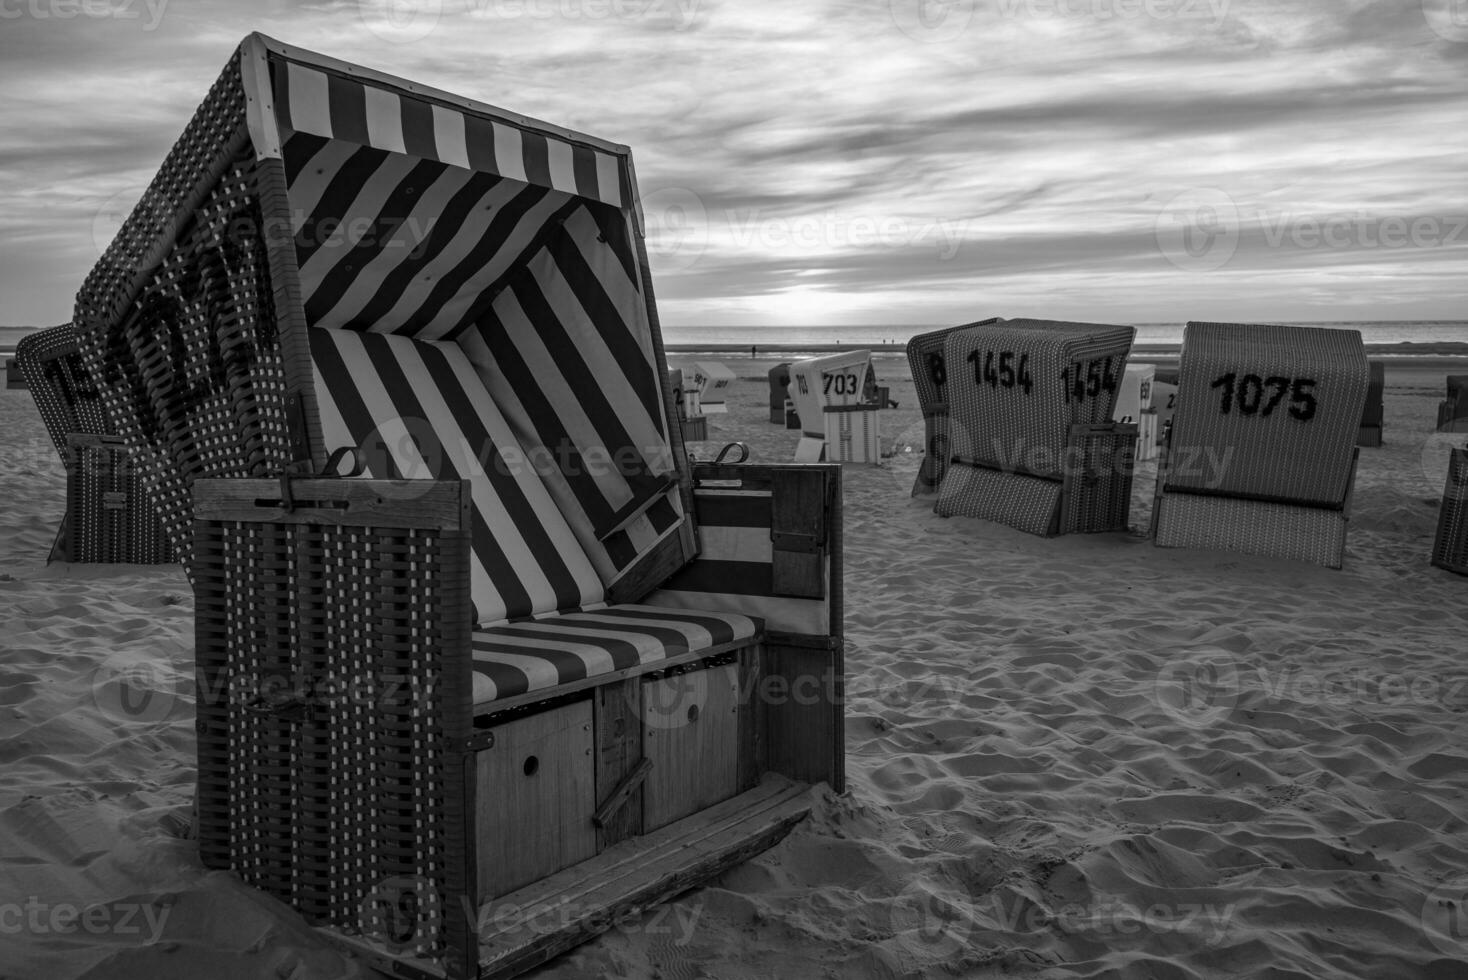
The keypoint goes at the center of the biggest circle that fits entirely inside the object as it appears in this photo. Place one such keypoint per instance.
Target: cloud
(1025, 150)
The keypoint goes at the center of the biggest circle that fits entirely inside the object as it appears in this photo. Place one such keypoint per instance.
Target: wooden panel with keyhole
(535, 794)
(690, 733)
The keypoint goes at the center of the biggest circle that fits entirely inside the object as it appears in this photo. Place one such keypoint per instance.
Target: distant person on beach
(753, 351)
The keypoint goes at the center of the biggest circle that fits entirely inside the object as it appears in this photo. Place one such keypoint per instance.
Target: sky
(862, 162)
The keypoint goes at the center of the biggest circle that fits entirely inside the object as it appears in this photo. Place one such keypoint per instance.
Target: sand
(1029, 793)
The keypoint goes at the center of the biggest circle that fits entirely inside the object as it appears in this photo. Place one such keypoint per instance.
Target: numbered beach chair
(835, 398)
(712, 380)
(1450, 544)
(1262, 454)
(465, 692)
(692, 424)
(1033, 444)
(1452, 411)
(930, 378)
(109, 518)
(1164, 400)
(1134, 406)
(779, 381)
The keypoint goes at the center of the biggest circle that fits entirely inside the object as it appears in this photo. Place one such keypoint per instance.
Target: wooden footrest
(543, 920)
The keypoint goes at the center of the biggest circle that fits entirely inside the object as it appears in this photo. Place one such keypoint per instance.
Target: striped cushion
(540, 654)
(418, 411)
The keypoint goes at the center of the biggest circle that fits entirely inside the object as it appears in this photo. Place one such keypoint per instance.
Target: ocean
(1169, 334)
(794, 336)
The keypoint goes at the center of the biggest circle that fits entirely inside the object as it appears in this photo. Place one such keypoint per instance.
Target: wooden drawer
(535, 793)
(690, 733)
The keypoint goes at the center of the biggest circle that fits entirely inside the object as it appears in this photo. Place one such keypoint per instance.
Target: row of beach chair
(472, 632)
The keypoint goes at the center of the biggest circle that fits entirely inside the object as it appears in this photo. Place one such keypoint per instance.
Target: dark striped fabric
(398, 244)
(325, 103)
(565, 351)
(418, 411)
(734, 571)
(518, 658)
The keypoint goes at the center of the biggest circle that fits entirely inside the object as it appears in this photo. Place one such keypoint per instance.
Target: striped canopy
(387, 261)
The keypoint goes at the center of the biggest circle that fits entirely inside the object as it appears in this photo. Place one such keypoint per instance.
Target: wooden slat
(618, 752)
(536, 793)
(690, 731)
(419, 504)
(798, 531)
(803, 688)
(633, 875)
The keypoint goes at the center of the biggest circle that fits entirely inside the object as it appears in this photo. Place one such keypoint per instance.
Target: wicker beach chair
(476, 694)
(1452, 411)
(779, 377)
(930, 378)
(692, 423)
(712, 379)
(109, 518)
(835, 398)
(1261, 458)
(1450, 545)
(1032, 441)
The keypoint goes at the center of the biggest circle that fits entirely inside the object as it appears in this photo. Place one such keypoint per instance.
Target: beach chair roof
(310, 196)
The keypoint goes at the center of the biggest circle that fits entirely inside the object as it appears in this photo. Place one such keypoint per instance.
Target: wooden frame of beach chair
(345, 769)
(109, 518)
(930, 379)
(1450, 544)
(1032, 441)
(607, 702)
(1261, 458)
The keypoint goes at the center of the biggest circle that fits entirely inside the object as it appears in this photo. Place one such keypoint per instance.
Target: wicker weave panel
(1450, 547)
(176, 322)
(1009, 426)
(66, 396)
(355, 789)
(108, 515)
(1276, 452)
(1098, 488)
(1024, 502)
(930, 378)
(1251, 527)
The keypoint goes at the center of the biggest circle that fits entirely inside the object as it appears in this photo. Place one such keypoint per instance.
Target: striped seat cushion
(537, 655)
(418, 411)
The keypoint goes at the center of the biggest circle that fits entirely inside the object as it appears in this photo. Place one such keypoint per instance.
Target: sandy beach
(1030, 792)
